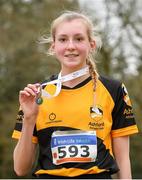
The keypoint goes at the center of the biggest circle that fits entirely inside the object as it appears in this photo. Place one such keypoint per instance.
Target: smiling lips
(71, 55)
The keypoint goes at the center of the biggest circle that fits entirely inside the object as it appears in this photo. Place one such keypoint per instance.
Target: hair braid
(93, 71)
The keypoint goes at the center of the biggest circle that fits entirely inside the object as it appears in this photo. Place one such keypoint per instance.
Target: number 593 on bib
(73, 146)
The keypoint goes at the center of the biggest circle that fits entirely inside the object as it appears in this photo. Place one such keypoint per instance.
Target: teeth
(71, 55)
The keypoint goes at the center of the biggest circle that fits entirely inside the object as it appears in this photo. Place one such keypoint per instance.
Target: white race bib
(73, 146)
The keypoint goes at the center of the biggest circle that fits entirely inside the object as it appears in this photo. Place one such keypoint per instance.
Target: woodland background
(23, 61)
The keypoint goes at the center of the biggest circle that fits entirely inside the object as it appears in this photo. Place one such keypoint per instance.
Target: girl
(83, 125)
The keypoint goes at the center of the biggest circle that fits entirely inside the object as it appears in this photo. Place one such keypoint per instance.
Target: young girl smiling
(81, 120)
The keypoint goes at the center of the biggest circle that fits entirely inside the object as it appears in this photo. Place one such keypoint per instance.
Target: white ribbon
(62, 79)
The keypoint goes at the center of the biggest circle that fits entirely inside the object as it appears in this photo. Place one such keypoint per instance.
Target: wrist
(29, 121)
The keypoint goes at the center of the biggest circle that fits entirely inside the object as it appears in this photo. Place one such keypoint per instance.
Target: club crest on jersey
(126, 96)
(96, 112)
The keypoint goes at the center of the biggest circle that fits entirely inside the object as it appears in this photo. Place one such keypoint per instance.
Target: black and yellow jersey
(73, 110)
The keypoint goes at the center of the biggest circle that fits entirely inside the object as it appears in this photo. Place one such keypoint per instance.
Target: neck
(76, 81)
(66, 70)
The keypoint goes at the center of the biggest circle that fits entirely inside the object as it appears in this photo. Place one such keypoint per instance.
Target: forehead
(76, 26)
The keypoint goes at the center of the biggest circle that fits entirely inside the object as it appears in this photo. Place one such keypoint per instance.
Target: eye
(62, 39)
(79, 39)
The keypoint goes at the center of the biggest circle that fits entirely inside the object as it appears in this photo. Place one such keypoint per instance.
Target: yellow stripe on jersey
(71, 172)
(124, 131)
(17, 134)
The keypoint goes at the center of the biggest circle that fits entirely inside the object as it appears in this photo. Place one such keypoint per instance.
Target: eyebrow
(78, 34)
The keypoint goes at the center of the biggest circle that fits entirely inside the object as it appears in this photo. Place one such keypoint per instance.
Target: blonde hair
(92, 35)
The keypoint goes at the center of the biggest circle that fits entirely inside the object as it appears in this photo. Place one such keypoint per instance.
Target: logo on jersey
(20, 117)
(52, 118)
(128, 111)
(126, 96)
(96, 114)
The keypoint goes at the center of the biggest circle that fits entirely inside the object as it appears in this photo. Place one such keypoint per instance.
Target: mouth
(71, 55)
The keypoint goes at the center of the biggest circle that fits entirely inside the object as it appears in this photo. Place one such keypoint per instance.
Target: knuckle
(25, 88)
(29, 85)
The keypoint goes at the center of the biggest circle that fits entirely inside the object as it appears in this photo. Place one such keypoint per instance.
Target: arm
(121, 153)
(24, 152)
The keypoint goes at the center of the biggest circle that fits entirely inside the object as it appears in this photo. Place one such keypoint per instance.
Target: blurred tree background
(23, 61)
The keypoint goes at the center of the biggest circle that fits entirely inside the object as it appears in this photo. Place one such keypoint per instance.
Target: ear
(51, 49)
(52, 46)
(93, 44)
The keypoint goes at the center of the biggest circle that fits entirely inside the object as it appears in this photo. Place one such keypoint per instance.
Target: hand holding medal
(27, 98)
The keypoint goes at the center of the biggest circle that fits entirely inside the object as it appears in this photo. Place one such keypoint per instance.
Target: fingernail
(37, 84)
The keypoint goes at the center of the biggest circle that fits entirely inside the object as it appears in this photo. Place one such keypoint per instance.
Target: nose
(70, 45)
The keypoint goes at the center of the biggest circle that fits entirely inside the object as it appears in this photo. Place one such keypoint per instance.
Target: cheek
(84, 50)
(59, 50)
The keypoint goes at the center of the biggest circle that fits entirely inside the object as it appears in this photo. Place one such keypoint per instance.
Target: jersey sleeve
(18, 128)
(122, 115)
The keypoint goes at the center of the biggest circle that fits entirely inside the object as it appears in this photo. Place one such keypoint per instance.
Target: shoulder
(110, 83)
(113, 86)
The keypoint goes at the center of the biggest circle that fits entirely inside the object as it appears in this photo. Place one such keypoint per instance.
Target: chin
(73, 65)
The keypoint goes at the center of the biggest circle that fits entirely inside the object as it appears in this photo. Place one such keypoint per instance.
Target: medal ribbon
(60, 80)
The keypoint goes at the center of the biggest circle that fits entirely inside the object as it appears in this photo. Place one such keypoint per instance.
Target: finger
(34, 87)
(30, 91)
(37, 84)
(24, 93)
